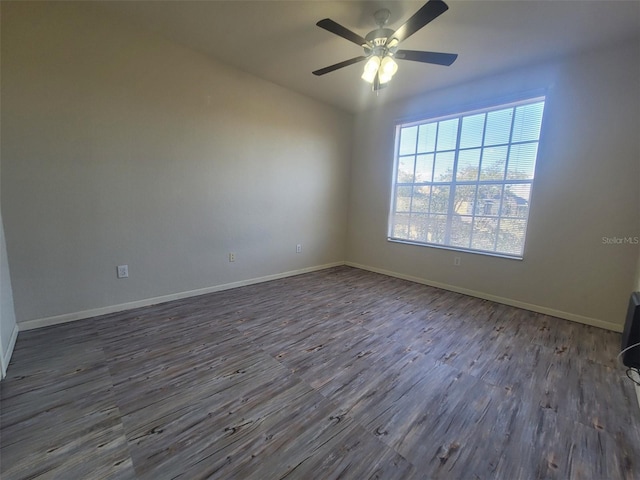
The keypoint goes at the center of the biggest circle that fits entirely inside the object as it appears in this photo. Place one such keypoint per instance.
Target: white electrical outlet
(299, 248)
(123, 271)
(232, 257)
(456, 261)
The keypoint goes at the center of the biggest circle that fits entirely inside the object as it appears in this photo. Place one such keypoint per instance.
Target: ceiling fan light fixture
(381, 45)
(388, 68)
(371, 69)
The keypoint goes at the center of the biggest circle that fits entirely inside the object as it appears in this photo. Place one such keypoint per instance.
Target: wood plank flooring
(340, 373)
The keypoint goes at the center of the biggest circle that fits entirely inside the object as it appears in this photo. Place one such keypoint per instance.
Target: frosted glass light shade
(371, 69)
(388, 68)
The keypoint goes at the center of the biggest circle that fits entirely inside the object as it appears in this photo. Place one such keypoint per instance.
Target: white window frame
(454, 183)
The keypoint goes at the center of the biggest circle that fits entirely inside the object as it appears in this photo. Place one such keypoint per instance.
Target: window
(464, 181)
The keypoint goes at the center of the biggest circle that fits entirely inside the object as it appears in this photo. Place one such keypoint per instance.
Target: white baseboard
(506, 301)
(70, 317)
(6, 356)
(94, 312)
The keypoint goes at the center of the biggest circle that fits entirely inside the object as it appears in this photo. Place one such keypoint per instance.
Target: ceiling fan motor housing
(377, 42)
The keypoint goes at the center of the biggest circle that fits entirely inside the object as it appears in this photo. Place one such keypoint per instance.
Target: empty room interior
(319, 239)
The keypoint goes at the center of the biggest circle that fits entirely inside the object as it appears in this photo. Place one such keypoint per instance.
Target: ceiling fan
(381, 45)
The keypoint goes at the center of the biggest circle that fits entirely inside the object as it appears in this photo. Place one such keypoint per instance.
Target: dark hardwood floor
(340, 373)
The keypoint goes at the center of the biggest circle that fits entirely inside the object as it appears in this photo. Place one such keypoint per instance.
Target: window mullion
(477, 189)
(504, 182)
(452, 188)
(433, 172)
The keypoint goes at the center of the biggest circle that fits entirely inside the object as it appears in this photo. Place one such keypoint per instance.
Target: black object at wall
(631, 333)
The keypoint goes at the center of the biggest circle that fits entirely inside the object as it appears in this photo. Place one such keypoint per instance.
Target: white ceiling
(279, 41)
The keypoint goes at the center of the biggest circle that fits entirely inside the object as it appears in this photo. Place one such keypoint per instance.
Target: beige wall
(586, 188)
(121, 148)
(8, 326)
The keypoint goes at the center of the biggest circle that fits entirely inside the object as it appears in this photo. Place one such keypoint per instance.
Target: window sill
(455, 249)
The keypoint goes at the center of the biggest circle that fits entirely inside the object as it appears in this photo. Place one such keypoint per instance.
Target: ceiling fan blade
(427, 57)
(346, 63)
(429, 11)
(341, 31)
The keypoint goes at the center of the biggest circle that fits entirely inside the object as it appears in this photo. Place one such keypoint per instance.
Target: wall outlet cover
(123, 271)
